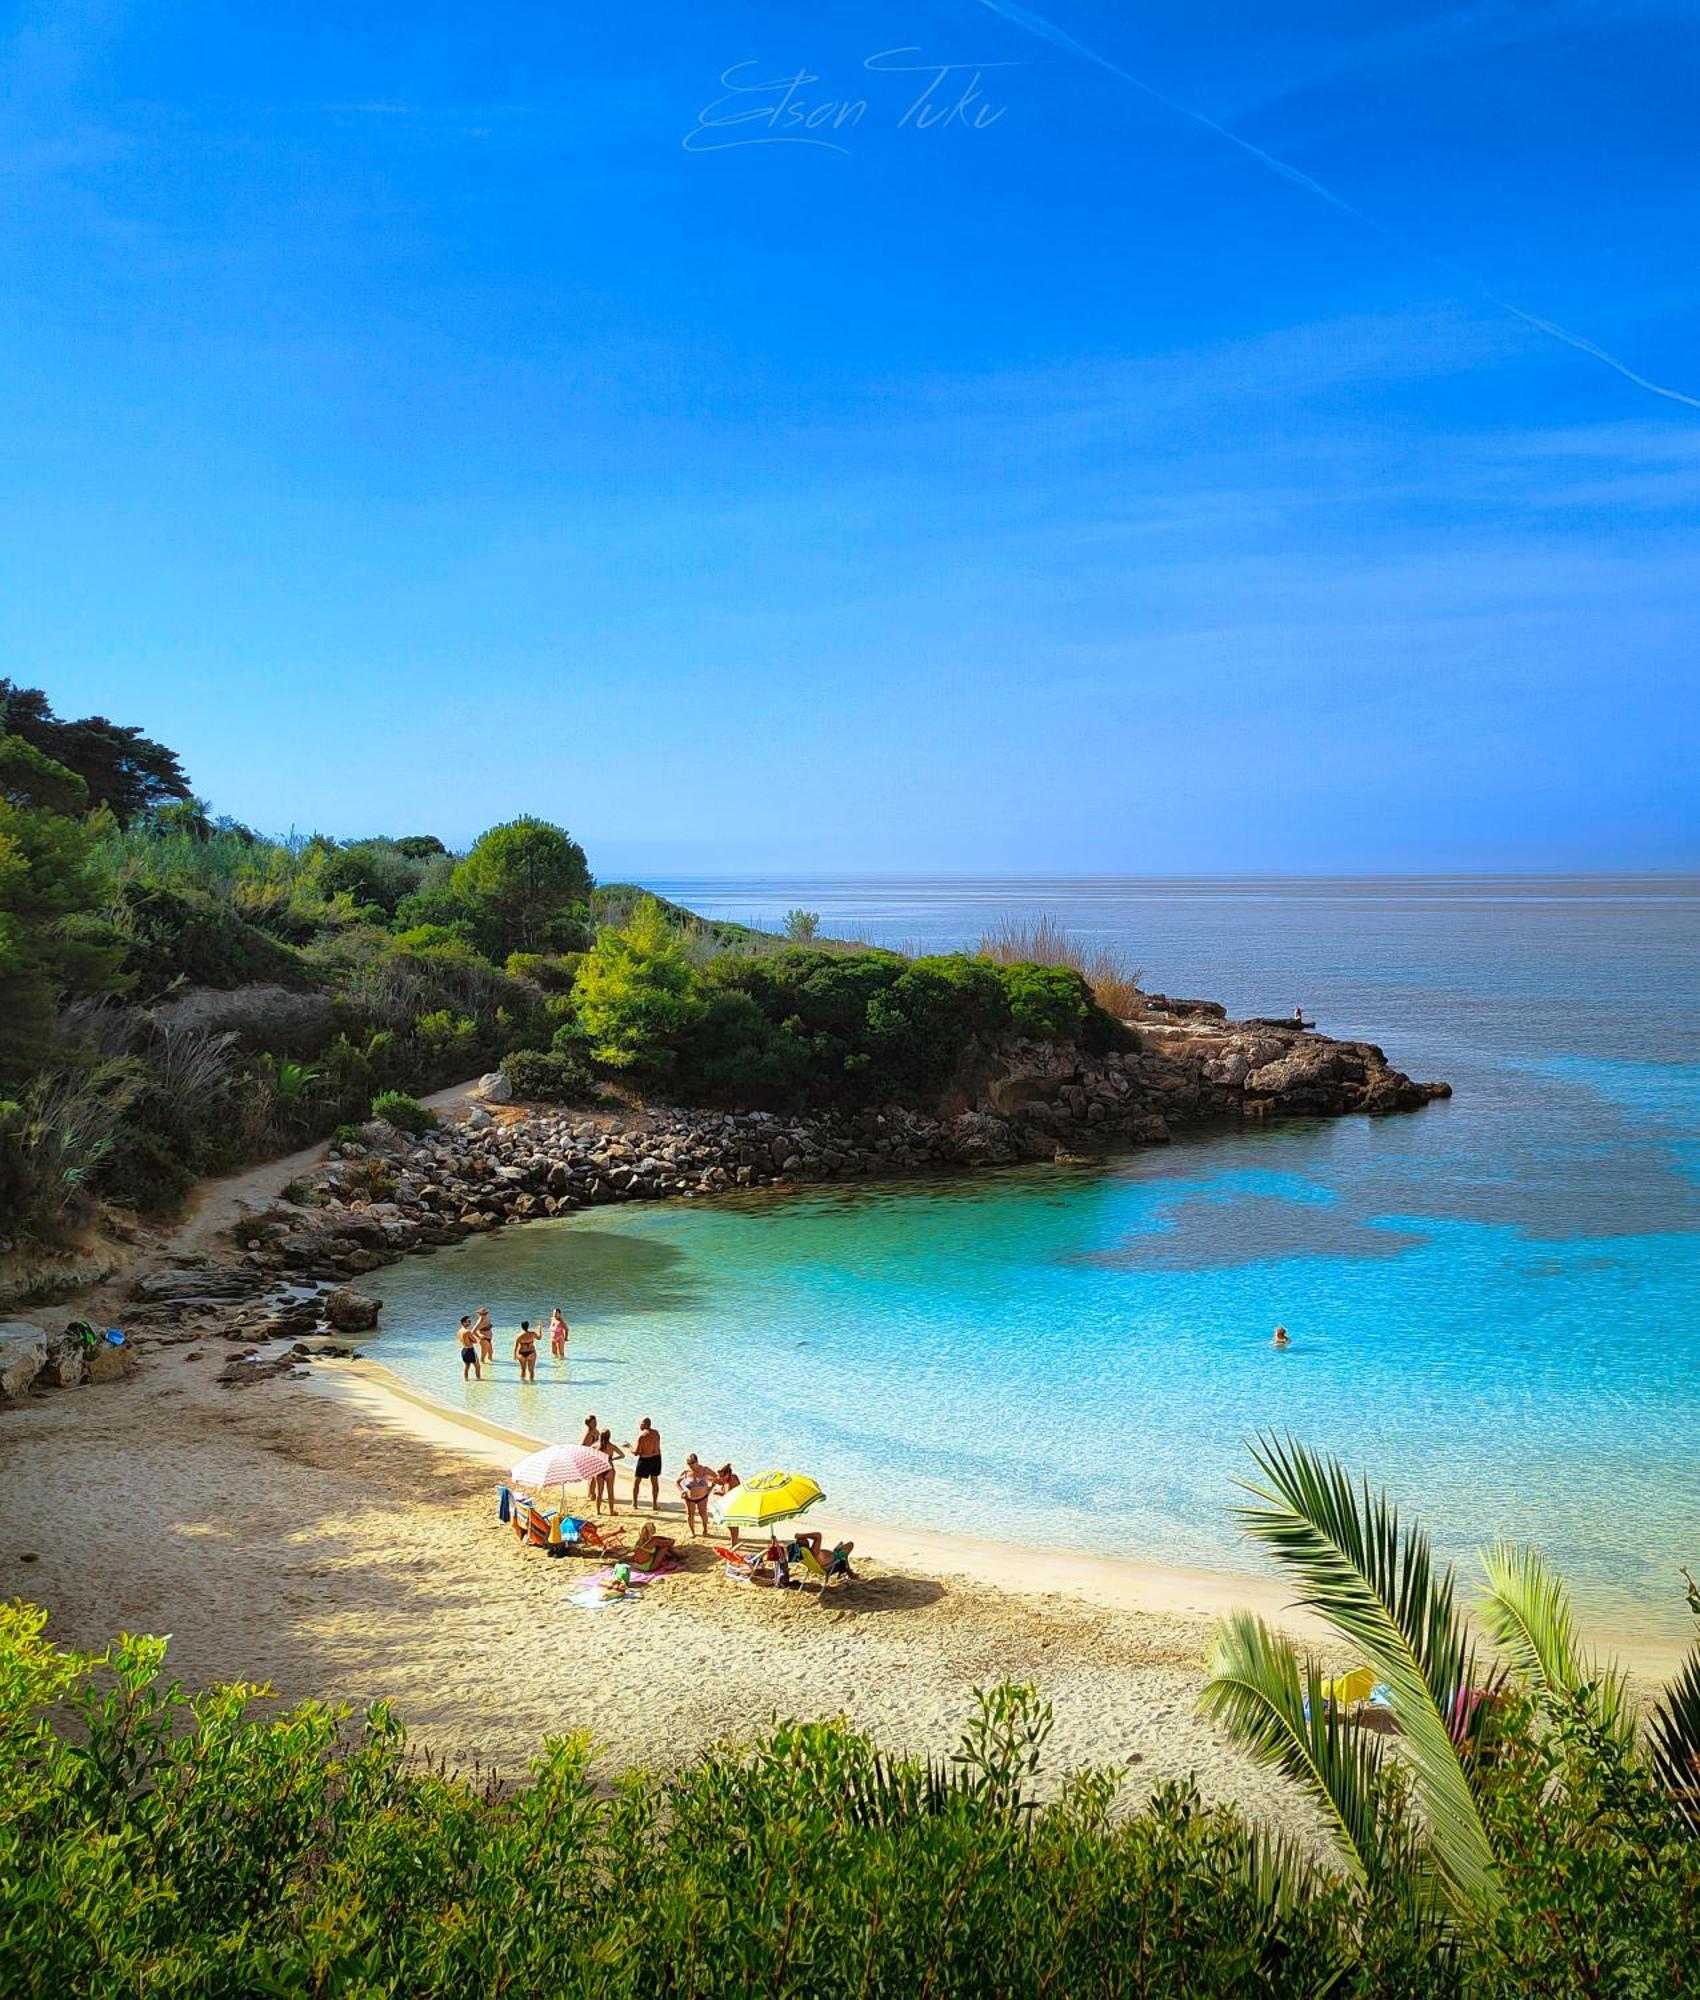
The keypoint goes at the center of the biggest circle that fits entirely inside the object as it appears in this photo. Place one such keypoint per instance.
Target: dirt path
(217, 1204)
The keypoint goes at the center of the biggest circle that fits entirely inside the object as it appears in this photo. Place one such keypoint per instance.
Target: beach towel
(504, 1503)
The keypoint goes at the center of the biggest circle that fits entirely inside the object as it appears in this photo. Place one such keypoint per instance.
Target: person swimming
(1282, 1338)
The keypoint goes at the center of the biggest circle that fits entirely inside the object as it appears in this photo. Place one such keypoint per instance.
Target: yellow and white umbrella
(766, 1500)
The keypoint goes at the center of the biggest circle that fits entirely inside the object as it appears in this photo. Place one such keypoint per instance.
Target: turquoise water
(1495, 1302)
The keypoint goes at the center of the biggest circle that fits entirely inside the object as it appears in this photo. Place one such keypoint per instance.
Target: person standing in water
(468, 1340)
(525, 1351)
(485, 1334)
(559, 1335)
(647, 1451)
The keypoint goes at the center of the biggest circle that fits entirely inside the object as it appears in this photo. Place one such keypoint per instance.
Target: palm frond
(1274, 1709)
(1673, 1729)
(1376, 1584)
(1528, 1615)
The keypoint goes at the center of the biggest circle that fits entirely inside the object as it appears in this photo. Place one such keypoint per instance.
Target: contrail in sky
(1048, 31)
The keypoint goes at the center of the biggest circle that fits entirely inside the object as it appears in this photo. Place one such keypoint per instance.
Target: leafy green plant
(406, 1113)
(636, 994)
(551, 1076)
(1547, 1738)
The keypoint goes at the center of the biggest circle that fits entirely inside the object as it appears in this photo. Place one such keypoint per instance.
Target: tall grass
(1043, 941)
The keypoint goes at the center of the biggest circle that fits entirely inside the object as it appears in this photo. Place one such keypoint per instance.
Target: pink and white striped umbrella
(560, 1464)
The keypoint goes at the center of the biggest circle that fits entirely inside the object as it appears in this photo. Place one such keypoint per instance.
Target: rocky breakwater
(285, 1276)
(391, 1193)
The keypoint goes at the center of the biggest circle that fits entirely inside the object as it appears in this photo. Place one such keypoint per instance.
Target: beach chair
(835, 1569)
(595, 1541)
(735, 1564)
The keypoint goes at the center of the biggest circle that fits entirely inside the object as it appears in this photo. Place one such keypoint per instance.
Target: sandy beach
(334, 1540)
(336, 1537)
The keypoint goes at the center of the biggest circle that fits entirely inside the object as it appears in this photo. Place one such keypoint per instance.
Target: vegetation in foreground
(179, 996)
(1532, 1842)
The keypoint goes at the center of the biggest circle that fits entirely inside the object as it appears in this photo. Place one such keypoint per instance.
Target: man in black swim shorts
(647, 1451)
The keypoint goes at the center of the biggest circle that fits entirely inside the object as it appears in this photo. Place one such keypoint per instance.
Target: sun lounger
(592, 1540)
(735, 1564)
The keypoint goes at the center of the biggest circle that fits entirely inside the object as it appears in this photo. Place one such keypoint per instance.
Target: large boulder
(108, 1363)
(494, 1088)
(351, 1312)
(67, 1361)
(23, 1355)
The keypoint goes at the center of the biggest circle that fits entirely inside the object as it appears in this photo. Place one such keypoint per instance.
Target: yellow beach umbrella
(1348, 1690)
(766, 1500)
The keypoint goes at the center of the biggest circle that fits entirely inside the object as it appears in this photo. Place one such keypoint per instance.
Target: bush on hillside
(170, 937)
(405, 1113)
(637, 994)
(554, 972)
(550, 1076)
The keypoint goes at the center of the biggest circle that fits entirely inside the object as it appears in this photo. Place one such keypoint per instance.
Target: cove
(1076, 1355)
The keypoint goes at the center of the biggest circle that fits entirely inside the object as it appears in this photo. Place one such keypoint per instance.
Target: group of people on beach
(476, 1339)
(696, 1483)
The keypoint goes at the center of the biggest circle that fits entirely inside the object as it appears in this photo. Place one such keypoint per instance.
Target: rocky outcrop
(32, 1358)
(389, 1193)
(349, 1312)
(23, 1355)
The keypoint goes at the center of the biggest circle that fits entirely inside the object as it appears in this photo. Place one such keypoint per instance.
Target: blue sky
(420, 415)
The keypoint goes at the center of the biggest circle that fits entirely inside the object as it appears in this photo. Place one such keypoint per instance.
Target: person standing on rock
(486, 1335)
(559, 1335)
(469, 1362)
(647, 1451)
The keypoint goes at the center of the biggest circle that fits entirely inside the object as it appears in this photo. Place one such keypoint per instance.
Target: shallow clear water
(1495, 1302)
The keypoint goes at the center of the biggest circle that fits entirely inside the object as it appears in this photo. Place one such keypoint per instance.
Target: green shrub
(637, 993)
(209, 1844)
(168, 937)
(555, 1076)
(406, 1113)
(553, 971)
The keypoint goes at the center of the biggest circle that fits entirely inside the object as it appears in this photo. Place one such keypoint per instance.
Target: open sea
(1494, 1302)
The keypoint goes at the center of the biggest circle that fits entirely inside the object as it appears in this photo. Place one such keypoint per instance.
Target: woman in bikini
(469, 1362)
(485, 1334)
(695, 1484)
(559, 1335)
(602, 1486)
(525, 1351)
